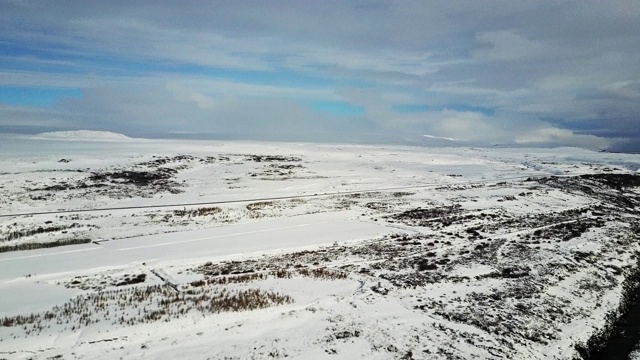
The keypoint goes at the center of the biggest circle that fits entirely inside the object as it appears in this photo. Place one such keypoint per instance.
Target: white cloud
(629, 88)
(561, 137)
(509, 45)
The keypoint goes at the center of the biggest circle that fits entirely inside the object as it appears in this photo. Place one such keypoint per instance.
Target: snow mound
(439, 138)
(84, 135)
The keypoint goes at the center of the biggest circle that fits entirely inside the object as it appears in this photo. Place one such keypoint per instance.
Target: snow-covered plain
(135, 248)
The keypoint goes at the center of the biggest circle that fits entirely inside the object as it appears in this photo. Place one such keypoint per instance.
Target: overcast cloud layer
(534, 73)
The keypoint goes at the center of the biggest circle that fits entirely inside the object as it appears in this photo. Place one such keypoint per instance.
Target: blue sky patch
(35, 96)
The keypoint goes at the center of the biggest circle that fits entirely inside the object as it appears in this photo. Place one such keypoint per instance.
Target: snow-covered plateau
(84, 135)
(168, 249)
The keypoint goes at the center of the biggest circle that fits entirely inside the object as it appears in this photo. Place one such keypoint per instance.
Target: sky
(482, 73)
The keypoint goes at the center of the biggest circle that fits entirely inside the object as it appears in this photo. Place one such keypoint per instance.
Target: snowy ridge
(84, 135)
(439, 137)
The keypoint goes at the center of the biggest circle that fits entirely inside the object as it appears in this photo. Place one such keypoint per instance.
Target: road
(237, 239)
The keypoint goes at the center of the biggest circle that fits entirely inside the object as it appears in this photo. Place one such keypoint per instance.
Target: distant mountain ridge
(84, 135)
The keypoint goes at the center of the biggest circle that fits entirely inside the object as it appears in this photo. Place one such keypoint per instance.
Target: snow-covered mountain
(84, 135)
